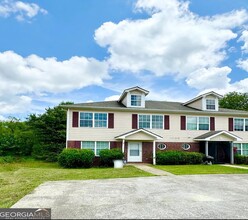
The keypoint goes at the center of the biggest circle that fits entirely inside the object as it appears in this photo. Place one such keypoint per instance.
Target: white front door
(134, 152)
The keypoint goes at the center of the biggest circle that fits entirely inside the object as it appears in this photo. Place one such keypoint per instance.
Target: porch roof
(213, 136)
(139, 134)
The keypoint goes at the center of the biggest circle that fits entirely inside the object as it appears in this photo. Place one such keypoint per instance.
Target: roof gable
(212, 93)
(139, 134)
(124, 93)
(218, 136)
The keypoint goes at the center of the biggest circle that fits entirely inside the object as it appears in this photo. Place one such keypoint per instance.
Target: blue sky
(90, 50)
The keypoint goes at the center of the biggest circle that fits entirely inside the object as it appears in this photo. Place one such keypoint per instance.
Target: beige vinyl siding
(196, 104)
(123, 124)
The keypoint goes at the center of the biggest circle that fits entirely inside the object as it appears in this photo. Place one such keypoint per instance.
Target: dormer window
(210, 104)
(135, 100)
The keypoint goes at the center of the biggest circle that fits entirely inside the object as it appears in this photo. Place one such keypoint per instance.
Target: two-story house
(141, 127)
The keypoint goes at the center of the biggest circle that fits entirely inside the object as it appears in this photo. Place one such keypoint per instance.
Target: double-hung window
(210, 104)
(86, 119)
(135, 100)
(144, 121)
(96, 120)
(151, 121)
(157, 121)
(242, 148)
(240, 124)
(95, 146)
(197, 123)
(100, 120)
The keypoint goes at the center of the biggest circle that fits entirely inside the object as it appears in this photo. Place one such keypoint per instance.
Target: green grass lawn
(200, 169)
(19, 179)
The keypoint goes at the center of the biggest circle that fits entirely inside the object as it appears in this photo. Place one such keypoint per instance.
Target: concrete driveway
(195, 196)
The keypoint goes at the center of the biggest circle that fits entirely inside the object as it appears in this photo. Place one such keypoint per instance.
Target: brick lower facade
(147, 148)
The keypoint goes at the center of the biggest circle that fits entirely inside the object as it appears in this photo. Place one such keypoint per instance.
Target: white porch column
(67, 127)
(154, 153)
(123, 145)
(231, 153)
(206, 148)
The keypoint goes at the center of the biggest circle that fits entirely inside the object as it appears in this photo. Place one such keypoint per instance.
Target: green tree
(235, 100)
(16, 138)
(50, 132)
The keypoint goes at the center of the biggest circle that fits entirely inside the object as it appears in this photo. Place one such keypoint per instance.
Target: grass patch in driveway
(200, 169)
(19, 179)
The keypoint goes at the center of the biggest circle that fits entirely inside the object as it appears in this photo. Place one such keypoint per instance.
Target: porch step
(150, 169)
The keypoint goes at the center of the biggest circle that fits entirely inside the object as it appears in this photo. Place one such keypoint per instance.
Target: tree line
(44, 136)
(41, 136)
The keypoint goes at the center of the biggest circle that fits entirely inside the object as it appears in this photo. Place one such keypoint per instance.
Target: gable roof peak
(202, 96)
(132, 89)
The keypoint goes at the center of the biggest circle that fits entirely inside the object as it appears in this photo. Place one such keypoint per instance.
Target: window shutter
(77, 144)
(183, 122)
(110, 120)
(212, 124)
(230, 124)
(166, 122)
(134, 121)
(74, 119)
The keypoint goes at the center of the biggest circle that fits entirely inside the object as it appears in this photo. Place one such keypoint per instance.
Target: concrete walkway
(151, 170)
(235, 166)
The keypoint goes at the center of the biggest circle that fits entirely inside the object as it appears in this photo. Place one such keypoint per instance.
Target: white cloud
(21, 10)
(36, 75)
(173, 41)
(212, 77)
(244, 37)
(112, 98)
(243, 64)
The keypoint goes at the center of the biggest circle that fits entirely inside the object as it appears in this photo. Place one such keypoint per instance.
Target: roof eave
(126, 109)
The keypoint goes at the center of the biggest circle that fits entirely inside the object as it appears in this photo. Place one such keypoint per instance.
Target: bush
(74, 158)
(240, 159)
(7, 159)
(178, 158)
(107, 156)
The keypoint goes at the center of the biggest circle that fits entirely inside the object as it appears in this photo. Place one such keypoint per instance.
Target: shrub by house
(178, 158)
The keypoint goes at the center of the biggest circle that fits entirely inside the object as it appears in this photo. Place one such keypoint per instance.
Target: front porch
(218, 144)
(136, 142)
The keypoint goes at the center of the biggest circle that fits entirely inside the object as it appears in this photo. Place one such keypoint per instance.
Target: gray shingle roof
(151, 105)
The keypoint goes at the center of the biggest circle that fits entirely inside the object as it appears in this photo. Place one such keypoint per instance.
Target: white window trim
(241, 147)
(204, 104)
(151, 121)
(93, 119)
(189, 146)
(243, 124)
(197, 123)
(214, 104)
(129, 100)
(95, 145)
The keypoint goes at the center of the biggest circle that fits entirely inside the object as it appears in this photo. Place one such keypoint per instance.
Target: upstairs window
(151, 121)
(241, 124)
(197, 123)
(144, 121)
(100, 120)
(135, 100)
(210, 104)
(86, 119)
(96, 120)
(157, 121)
